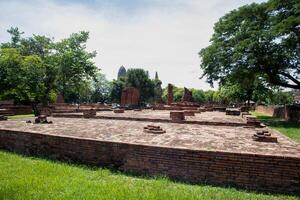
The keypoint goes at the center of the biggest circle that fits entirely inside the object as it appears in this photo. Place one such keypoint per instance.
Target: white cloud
(165, 37)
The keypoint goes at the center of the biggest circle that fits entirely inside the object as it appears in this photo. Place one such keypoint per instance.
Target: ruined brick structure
(187, 96)
(47, 111)
(259, 172)
(170, 94)
(130, 97)
(177, 116)
(288, 112)
(60, 99)
(89, 113)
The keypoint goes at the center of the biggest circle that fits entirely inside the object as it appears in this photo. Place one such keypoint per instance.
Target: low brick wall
(144, 119)
(255, 172)
(289, 112)
(274, 111)
(18, 109)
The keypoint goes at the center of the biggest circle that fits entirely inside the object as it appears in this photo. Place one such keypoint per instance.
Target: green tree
(199, 96)
(279, 97)
(209, 96)
(101, 89)
(258, 39)
(74, 63)
(40, 46)
(15, 38)
(139, 79)
(63, 66)
(116, 90)
(22, 77)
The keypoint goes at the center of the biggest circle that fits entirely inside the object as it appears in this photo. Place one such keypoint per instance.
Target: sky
(156, 35)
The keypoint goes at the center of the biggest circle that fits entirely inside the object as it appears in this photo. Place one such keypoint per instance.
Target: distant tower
(156, 76)
(122, 72)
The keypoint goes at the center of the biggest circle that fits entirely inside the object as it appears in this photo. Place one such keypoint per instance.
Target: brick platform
(206, 118)
(193, 153)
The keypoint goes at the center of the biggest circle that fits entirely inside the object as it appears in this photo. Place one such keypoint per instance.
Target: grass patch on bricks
(36, 178)
(21, 116)
(290, 129)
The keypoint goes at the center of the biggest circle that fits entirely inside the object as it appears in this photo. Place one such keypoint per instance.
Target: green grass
(291, 130)
(20, 116)
(35, 178)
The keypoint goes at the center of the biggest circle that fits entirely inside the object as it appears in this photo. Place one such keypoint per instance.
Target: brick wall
(275, 111)
(288, 112)
(255, 172)
(18, 109)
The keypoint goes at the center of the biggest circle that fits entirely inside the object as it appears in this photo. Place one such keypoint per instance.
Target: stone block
(177, 116)
(189, 113)
(89, 113)
(42, 119)
(154, 129)
(119, 111)
(264, 136)
(233, 111)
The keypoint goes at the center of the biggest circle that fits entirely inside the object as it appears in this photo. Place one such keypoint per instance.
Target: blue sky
(157, 35)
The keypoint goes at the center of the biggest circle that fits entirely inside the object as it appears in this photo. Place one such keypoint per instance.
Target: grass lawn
(292, 130)
(20, 116)
(35, 178)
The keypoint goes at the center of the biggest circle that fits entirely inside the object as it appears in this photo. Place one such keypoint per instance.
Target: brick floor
(190, 136)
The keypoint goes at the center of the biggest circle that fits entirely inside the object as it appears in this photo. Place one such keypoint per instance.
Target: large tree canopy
(34, 69)
(259, 40)
(139, 79)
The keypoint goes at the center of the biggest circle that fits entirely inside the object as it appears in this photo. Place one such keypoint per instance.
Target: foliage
(279, 97)
(36, 68)
(75, 65)
(22, 77)
(139, 79)
(101, 89)
(199, 96)
(260, 40)
(116, 90)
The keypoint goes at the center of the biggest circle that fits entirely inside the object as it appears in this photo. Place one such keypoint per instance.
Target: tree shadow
(278, 123)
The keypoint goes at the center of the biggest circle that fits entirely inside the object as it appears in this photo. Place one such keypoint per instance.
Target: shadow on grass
(278, 123)
(114, 170)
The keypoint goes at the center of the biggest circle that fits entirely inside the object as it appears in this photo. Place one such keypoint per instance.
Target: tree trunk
(35, 109)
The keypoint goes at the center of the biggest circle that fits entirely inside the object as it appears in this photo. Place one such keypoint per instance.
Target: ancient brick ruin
(130, 97)
(264, 136)
(41, 119)
(89, 113)
(184, 142)
(187, 96)
(119, 110)
(177, 116)
(60, 99)
(154, 129)
(170, 94)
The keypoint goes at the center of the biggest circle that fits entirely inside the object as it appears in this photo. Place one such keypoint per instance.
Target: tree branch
(290, 77)
(279, 83)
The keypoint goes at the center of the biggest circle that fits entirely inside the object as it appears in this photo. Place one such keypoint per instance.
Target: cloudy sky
(157, 35)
